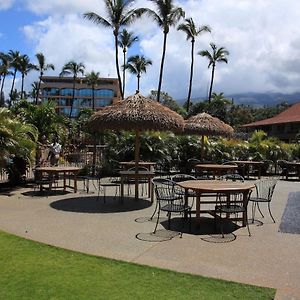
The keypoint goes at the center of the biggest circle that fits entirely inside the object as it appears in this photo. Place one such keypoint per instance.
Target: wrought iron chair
(169, 202)
(232, 177)
(106, 182)
(264, 193)
(192, 162)
(182, 177)
(160, 181)
(235, 204)
(141, 180)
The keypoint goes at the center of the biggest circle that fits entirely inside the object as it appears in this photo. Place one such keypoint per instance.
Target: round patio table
(214, 187)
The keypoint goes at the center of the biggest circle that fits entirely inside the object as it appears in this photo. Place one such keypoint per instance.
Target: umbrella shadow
(94, 204)
(45, 193)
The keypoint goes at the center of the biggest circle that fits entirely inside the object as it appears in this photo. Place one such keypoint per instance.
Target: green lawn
(31, 270)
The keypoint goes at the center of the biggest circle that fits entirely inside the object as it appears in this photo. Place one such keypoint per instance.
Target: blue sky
(262, 37)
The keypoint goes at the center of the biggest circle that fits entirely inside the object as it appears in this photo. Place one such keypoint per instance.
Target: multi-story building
(60, 90)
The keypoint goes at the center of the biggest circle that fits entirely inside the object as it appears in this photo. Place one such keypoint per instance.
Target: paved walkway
(81, 223)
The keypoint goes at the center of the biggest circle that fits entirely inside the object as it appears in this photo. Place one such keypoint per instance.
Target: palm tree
(126, 40)
(167, 15)
(192, 32)
(137, 65)
(93, 79)
(72, 68)
(4, 70)
(14, 60)
(24, 67)
(119, 14)
(217, 55)
(41, 67)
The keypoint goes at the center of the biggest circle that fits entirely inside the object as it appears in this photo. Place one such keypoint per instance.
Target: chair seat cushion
(175, 207)
(257, 199)
(230, 208)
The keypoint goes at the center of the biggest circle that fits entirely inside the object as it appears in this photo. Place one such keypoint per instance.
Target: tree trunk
(162, 67)
(22, 86)
(38, 89)
(117, 64)
(2, 84)
(138, 82)
(12, 88)
(191, 78)
(124, 60)
(211, 82)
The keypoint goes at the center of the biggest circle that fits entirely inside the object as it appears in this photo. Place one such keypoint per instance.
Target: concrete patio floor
(79, 222)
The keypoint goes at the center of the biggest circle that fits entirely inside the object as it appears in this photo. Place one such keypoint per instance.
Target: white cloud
(261, 36)
(61, 7)
(6, 4)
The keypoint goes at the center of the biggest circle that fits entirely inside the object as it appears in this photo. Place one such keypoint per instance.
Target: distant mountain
(257, 99)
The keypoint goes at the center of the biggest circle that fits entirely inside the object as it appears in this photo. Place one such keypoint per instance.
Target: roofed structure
(285, 125)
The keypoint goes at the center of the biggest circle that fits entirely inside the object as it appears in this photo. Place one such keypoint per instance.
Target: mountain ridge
(256, 99)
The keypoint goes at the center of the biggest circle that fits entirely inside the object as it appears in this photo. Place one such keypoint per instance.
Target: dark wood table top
(215, 166)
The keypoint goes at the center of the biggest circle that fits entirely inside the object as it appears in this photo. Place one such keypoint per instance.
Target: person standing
(54, 152)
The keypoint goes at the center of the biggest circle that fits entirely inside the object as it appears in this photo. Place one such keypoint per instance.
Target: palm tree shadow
(94, 204)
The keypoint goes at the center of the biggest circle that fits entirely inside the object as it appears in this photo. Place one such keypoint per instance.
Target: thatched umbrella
(137, 113)
(205, 124)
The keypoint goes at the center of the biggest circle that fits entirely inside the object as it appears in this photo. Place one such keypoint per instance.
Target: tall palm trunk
(73, 97)
(124, 62)
(191, 77)
(2, 84)
(12, 88)
(22, 86)
(117, 65)
(38, 89)
(162, 66)
(138, 82)
(211, 82)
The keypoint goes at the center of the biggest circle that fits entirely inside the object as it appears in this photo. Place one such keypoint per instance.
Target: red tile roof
(290, 115)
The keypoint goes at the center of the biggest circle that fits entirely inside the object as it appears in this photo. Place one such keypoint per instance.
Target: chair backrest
(265, 188)
(140, 168)
(182, 177)
(236, 198)
(194, 161)
(232, 177)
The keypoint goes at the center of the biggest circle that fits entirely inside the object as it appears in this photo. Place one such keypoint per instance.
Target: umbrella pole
(202, 148)
(137, 155)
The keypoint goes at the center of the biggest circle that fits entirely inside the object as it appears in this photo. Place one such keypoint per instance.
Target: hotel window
(102, 102)
(66, 92)
(104, 93)
(84, 92)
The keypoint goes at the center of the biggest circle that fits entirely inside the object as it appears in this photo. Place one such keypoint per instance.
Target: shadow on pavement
(94, 204)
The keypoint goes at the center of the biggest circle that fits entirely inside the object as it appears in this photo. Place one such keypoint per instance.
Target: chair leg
(246, 213)
(169, 220)
(190, 222)
(260, 211)
(158, 213)
(156, 205)
(253, 211)
(270, 212)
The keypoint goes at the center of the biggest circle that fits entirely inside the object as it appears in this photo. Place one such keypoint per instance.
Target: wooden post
(202, 148)
(137, 156)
